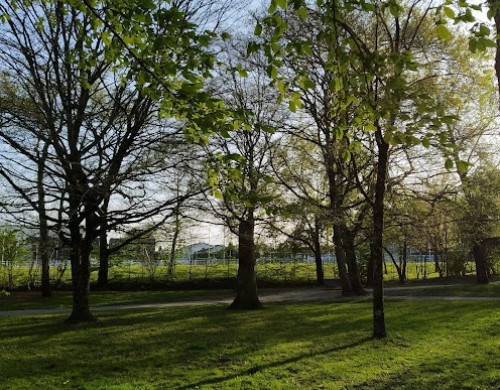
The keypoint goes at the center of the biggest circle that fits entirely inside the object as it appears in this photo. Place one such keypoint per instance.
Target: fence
(270, 267)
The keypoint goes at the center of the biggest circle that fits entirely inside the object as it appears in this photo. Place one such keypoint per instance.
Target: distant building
(199, 250)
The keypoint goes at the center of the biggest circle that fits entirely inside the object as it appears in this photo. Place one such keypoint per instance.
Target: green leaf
(258, 29)
(143, 77)
(448, 164)
(272, 7)
(224, 132)
(346, 155)
(485, 42)
(281, 3)
(368, 6)
(426, 143)
(292, 106)
(394, 9)
(281, 86)
(218, 194)
(252, 48)
(484, 30)
(472, 45)
(128, 39)
(491, 13)
(449, 12)
(336, 85)
(302, 12)
(462, 166)
(443, 32)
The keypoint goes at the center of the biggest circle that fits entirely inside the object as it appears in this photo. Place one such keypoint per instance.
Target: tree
(13, 250)
(471, 97)
(480, 215)
(319, 128)
(241, 159)
(18, 111)
(377, 64)
(94, 121)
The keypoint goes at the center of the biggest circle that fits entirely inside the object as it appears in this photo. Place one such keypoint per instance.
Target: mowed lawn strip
(431, 345)
(23, 300)
(491, 290)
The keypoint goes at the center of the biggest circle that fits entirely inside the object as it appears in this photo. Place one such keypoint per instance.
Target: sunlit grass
(453, 290)
(431, 345)
(266, 272)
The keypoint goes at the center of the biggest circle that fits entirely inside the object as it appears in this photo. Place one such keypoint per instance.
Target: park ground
(322, 344)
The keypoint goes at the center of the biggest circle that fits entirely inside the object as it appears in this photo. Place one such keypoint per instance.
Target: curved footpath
(303, 295)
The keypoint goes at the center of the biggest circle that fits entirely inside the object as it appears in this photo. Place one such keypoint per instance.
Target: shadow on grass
(262, 367)
(207, 345)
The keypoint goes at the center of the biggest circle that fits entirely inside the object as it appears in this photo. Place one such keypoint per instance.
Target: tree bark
(80, 273)
(80, 250)
(369, 270)
(43, 228)
(45, 260)
(352, 264)
(320, 275)
(340, 256)
(103, 276)
(104, 252)
(479, 252)
(246, 289)
(171, 262)
(379, 330)
(404, 262)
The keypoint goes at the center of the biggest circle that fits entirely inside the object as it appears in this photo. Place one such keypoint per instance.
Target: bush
(456, 262)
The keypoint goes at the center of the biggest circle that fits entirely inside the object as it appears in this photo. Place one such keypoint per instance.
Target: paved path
(302, 295)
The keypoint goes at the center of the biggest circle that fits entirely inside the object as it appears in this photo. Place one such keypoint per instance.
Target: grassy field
(453, 290)
(272, 272)
(22, 300)
(431, 345)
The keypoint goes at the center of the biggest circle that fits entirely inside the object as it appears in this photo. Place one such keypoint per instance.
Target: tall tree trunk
(335, 203)
(320, 275)
(43, 228)
(340, 256)
(404, 262)
(80, 274)
(437, 266)
(246, 289)
(45, 260)
(377, 239)
(80, 250)
(369, 270)
(171, 262)
(104, 252)
(352, 264)
(479, 252)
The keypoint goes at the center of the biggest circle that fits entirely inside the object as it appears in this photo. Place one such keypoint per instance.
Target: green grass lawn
(453, 290)
(269, 272)
(431, 345)
(21, 300)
